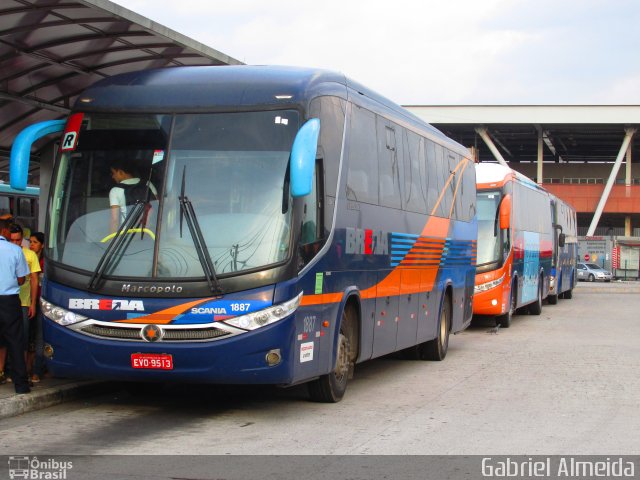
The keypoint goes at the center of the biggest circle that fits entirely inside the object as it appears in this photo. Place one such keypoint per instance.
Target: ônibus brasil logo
(33, 468)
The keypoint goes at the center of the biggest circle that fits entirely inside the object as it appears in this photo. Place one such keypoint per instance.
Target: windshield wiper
(115, 246)
(187, 212)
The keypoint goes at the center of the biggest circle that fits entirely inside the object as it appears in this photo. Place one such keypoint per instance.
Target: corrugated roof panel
(51, 50)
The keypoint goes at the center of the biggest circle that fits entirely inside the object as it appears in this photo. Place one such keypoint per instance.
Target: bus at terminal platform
(516, 238)
(293, 224)
(563, 276)
(22, 205)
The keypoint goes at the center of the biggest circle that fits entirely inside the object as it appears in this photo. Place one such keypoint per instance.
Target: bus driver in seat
(126, 192)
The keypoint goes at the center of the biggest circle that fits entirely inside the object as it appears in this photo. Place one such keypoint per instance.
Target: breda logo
(367, 242)
(106, 304)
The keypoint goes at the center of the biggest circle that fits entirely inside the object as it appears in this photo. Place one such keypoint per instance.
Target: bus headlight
(258, 319)
(60, 315)
(483, 287)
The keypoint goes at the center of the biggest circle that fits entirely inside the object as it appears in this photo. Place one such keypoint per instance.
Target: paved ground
(564, 382)
(49, 392)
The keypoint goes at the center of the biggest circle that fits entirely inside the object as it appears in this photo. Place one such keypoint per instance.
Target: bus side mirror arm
(303, 158)
(21, 150)
(505, 212)
(562, 238)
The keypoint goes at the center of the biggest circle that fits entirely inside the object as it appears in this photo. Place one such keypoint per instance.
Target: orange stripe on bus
(165, 316)
(321, 299)
(446, 185)
(437, 227)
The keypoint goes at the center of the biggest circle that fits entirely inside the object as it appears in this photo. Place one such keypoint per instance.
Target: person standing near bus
(35, 363)
(29, 289)
(13, 270)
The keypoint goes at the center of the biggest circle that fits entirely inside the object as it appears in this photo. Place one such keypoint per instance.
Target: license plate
(153, 361)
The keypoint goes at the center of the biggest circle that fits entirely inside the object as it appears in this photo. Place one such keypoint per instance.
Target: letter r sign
(70, 136)
(69, 141)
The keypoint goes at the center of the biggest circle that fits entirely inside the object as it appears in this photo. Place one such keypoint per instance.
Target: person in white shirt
(126, 179)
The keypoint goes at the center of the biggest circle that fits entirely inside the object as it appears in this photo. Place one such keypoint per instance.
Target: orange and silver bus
(515, 243)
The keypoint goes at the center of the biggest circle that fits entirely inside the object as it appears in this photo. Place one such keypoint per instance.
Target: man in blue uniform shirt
(13, 270)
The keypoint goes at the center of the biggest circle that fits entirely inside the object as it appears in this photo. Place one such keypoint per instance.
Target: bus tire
(504, 321)
(436, 349)
(553, 299)
(330, 388)
(568, 294)
(536, 307)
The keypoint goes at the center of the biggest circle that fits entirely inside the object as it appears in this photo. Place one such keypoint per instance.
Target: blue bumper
(237, 360)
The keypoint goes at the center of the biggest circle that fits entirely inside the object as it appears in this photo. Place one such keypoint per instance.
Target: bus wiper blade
(187, 212)
(133, 215)
(184, 173)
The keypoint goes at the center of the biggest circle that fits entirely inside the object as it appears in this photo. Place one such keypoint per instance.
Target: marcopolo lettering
(366, 242)
(128, 288)
(106, 304)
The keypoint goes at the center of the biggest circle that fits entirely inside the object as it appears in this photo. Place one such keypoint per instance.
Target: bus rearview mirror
(303, 158)
(562, 240)
(505, 212)
(21, 150)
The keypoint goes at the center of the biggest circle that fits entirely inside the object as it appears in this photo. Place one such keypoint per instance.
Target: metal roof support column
(627, 226)
(482, 131)
(540, 156)
(627, 181)
(629, 132)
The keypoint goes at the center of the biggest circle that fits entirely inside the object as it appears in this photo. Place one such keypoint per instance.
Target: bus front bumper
(491, 302)
(237, 360)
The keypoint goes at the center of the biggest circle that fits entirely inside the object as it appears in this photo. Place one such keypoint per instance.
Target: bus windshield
(231, 167)
(488, 231)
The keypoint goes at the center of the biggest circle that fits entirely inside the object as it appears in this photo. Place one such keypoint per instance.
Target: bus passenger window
(388, 168)
(4, 205)
(362, 180)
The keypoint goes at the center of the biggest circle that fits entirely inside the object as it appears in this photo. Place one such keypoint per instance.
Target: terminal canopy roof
(571, 133)
(51, 50)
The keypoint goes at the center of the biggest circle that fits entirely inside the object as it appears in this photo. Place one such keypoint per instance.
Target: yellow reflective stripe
(131, 230)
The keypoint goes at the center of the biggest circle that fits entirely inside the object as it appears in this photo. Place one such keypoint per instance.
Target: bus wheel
(330, 388)
(436, 349)
(552, 299)
(536, 307)
(568, 294)
(504, 321)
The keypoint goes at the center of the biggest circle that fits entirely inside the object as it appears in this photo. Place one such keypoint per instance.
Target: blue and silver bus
(563, 276)
(22, 205)
(300, 224)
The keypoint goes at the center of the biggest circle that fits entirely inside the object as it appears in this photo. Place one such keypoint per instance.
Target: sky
(427, 52)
